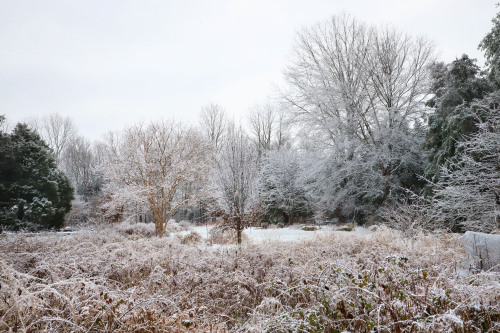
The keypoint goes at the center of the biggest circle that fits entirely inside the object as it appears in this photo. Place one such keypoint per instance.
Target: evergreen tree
(34, 193)
(491, 47)
(283, 197)
(467, 195)
(455, 87)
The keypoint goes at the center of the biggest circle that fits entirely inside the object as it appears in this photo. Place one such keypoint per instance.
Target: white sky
(110, 63)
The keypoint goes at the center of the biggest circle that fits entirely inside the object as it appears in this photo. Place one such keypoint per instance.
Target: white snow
(287, 234)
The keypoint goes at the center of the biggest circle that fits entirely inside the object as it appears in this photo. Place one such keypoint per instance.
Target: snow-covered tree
(491, 47)
(359, 94)
(235, 179)
(80, 164)
(213, 124)
(57, 131)
(147, 164)
(268, 127)
(262, 122)
(33, 192)
(454, 87)
(280, 188)
(468, 192)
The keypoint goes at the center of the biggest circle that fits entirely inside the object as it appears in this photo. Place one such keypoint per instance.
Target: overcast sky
(110, 63)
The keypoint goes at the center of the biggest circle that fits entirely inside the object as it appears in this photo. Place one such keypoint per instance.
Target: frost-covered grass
(114, 280)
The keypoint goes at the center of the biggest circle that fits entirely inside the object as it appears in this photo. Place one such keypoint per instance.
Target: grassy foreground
(111, 281)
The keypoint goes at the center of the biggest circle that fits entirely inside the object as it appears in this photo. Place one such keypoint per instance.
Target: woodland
(386, 154)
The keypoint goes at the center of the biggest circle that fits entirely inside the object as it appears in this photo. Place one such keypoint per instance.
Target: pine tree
(491, 47)
(35, 194)
(455, 87)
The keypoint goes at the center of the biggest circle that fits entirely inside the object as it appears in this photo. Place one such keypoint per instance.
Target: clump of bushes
(106, 281)
(223, 235)
(192, 238)
(136, 230)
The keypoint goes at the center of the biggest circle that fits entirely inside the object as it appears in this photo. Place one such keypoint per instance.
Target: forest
(370, 131)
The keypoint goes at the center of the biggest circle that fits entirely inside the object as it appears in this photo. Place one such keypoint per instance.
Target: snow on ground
(259, 235)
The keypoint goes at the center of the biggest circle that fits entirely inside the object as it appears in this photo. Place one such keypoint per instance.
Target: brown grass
(106, 281)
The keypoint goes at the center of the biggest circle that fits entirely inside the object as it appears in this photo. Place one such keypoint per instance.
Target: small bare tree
(235, 179)
(146, 165)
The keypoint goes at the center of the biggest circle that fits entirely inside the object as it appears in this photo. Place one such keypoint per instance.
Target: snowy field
(259, 235)
(122, 278)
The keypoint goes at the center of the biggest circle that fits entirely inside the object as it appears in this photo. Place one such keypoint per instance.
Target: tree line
(368, 124)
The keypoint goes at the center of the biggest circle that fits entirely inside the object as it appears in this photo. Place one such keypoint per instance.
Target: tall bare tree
(235, 179)
(80, 164)
(214, 124)
(262, 124)
(56, 130)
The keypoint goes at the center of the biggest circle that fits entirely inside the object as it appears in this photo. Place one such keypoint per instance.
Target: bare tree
(146, 165)
(262, 123)
(213, 124)
(80, 164)
(56, 130)
(235, 179)
(5, 125)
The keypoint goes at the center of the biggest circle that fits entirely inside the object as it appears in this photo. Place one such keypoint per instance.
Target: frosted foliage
(235, 173)
(213, 123)
(280, 184)
(359, 93)
(124, 280)
(57, 131)
(147, 165)
(469, 189)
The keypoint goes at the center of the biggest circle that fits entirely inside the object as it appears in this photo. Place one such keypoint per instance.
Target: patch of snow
(259, 235)
(287, 234)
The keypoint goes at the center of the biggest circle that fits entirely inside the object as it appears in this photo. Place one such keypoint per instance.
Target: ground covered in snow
(123, 279)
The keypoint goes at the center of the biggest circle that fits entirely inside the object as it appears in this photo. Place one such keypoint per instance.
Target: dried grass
(107, 281)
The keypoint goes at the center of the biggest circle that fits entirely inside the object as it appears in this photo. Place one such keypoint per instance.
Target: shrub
(192, 238)
(103, 281)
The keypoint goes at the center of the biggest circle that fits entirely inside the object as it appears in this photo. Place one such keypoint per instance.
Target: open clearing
(122, 279)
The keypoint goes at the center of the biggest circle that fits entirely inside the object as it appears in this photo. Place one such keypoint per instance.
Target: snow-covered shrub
(103, 281)
(173, 226)
(192, 238)
(224, 235)
(136, 230)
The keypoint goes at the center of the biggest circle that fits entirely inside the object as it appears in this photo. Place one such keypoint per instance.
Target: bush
(308, 228)
(225, 235)
(136, 230)
(192, 238)
(105, 281)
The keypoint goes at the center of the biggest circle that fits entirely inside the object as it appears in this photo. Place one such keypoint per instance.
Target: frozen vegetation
(367, 129)
(123, 279)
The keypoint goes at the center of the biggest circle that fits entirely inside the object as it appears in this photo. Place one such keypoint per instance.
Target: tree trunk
(159, 226)
(238, 231)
